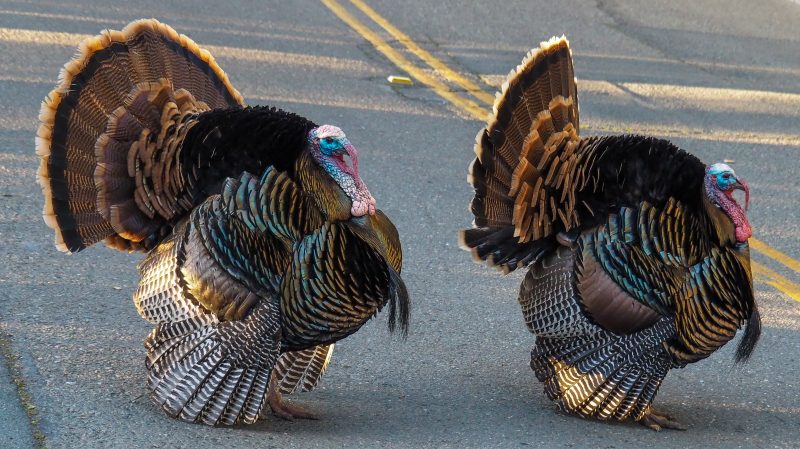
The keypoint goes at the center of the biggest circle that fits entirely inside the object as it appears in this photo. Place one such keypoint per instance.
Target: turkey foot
(658, 420)
(283, 409)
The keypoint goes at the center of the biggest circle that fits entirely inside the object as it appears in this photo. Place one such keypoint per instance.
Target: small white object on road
(400, 80)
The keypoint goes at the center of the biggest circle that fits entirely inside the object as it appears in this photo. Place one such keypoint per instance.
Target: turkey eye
(328, 140)
(726, 176)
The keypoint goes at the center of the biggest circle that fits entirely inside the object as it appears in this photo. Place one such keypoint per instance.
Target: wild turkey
(264, 246)
(637, 250)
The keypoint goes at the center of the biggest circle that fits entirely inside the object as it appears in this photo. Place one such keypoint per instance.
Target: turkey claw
(657, 421)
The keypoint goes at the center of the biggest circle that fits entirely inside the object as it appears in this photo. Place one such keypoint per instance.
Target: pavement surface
(720, 78)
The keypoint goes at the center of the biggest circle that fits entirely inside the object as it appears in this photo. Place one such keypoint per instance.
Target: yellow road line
(404, 64)
(429, 59)
(776, 280)
(773, 253)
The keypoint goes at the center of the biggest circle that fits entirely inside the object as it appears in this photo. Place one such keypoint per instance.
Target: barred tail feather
(605, 376)
(302, 370)
(193, 379)
(203, 374)
(202, 369)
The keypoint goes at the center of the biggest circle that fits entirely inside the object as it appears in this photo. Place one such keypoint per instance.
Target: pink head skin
(330, 147)
(720, 182)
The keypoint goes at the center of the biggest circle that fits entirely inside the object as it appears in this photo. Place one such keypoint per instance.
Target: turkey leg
(283, 409)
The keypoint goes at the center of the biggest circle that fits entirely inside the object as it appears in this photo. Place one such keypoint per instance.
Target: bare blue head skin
(330, 147)
(720, 182)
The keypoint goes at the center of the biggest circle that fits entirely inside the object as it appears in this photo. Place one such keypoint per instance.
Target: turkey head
(338, 158)
(720, 182)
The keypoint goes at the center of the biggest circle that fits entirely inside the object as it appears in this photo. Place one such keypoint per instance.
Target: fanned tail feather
(103, 139)
(498, 247)
(531, 136)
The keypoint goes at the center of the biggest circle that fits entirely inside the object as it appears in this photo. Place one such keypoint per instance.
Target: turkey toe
(657, 421)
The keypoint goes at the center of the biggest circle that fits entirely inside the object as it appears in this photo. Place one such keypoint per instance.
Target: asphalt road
(720, 78)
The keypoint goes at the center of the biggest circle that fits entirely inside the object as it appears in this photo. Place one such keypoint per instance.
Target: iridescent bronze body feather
(255, 262)
(637, 255)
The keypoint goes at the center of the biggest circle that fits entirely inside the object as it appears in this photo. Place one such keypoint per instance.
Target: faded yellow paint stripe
(675, 96)
(718, 99)
(695, 62)
(689, 132)
(774, 279)
(221, 52)
(24, 36)
(773, 253)
(422, 54)
(404, 64)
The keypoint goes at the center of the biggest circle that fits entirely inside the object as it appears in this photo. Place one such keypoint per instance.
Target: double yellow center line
(401, 61)
(479, 111)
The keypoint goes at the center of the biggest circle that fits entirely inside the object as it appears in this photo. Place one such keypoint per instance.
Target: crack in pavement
(14, 367)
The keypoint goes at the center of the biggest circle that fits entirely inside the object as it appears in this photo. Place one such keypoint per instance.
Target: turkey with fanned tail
(636, 250)
(264, 246)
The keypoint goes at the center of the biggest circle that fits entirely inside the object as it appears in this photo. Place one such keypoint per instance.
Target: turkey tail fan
(605, 376)
(534, 116)
(301, 370)
(107, 135)
(752, 333)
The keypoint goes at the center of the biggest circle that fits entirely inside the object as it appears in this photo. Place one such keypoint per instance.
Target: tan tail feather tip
(462, 243)
(73, 67)
(90, 46)
(530, 57)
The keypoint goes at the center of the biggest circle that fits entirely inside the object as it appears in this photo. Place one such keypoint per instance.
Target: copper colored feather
(124, 91)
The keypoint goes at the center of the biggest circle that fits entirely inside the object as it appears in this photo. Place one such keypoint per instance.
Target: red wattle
(737, 215)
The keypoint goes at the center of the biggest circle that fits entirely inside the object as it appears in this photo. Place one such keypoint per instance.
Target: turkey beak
(741, 185)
